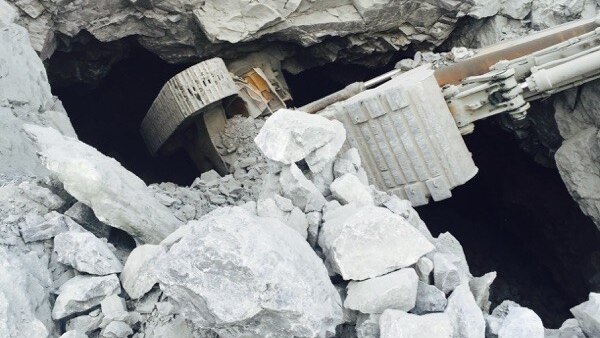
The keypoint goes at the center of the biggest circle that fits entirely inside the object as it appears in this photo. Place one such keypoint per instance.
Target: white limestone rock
(588, 315)
(289, 136)
(139, 276)
(117, 196)
(404, 209)
(466, 317)
(446, 275)
(366, 242)
(447, 244)
(283, 209)
(367, 326)
(429, 299)
(24, 295)
(395, 323)
(275, 284)
(396, 290)
(53, 224)
(569, 329)
(349, 189)
(74, 334)
(113, 308)
(86, 323)
(517, 9)
(236, 20)
(81, 293)
(480, 288)
(485, 8)
(521, 322)
(424, 268)
(116, 329)
(303, 193)
(86, 253)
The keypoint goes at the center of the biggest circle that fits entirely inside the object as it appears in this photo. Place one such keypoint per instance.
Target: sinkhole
(515, 217)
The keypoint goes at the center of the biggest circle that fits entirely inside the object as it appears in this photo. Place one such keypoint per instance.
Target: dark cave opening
(108, 114)
(515, 217)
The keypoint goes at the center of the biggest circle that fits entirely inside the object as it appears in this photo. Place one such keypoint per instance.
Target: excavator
(407, 126)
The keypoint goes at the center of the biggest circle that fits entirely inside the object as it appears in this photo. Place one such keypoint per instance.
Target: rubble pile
(294, 243)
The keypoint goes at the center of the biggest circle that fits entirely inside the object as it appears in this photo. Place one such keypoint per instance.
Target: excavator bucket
(407, 138)
(188, 113)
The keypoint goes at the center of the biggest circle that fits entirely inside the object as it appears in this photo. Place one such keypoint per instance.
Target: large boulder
(25, 97)
(290, 136)
(117, 196)
(275, 285)
(366, 242)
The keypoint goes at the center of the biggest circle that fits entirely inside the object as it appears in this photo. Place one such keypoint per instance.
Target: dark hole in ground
(108, 115)
(515, 217)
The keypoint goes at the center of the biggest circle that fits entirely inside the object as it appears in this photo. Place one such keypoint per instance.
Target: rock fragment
(445, 274)
(116, 329)
(86, 253)
(53, 225)
(289, 136)
(424, 268)
(113, 308)
(86, 323)
(74, 334)
(138, 276)
(81, 293)
(465, 315)
(569, 329)
(117, 196)
(396, 290)
(349, 189)
(276, 285)
(429, 299)
(588, 315)
(480, 287)
(84, 215)
(395, 323)
(367, 242)
(367, 326)
(521, 323)
(303, 193)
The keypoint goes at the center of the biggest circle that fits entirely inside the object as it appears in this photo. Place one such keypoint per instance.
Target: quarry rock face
(578, 159)
(117, 196)
(275, 283)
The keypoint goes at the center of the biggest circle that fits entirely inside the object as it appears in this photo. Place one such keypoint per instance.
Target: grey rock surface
(289, 136)
(276, 284)
(52, 225)
(429, 299)
(116, 329)
(84, 216)
(303, 193)
(86, 253)
(445, 273)
(395, 323)
(465, 315)
(521, 322)
(24, 295)
(396, 290)
(367, 242)
(74, 334)
(117, 196)
(588, 315)
(30, 101)
(349, 189)
(480, 287)
(138, 275)
(367, 326)
(82, 293)
(569, 329)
